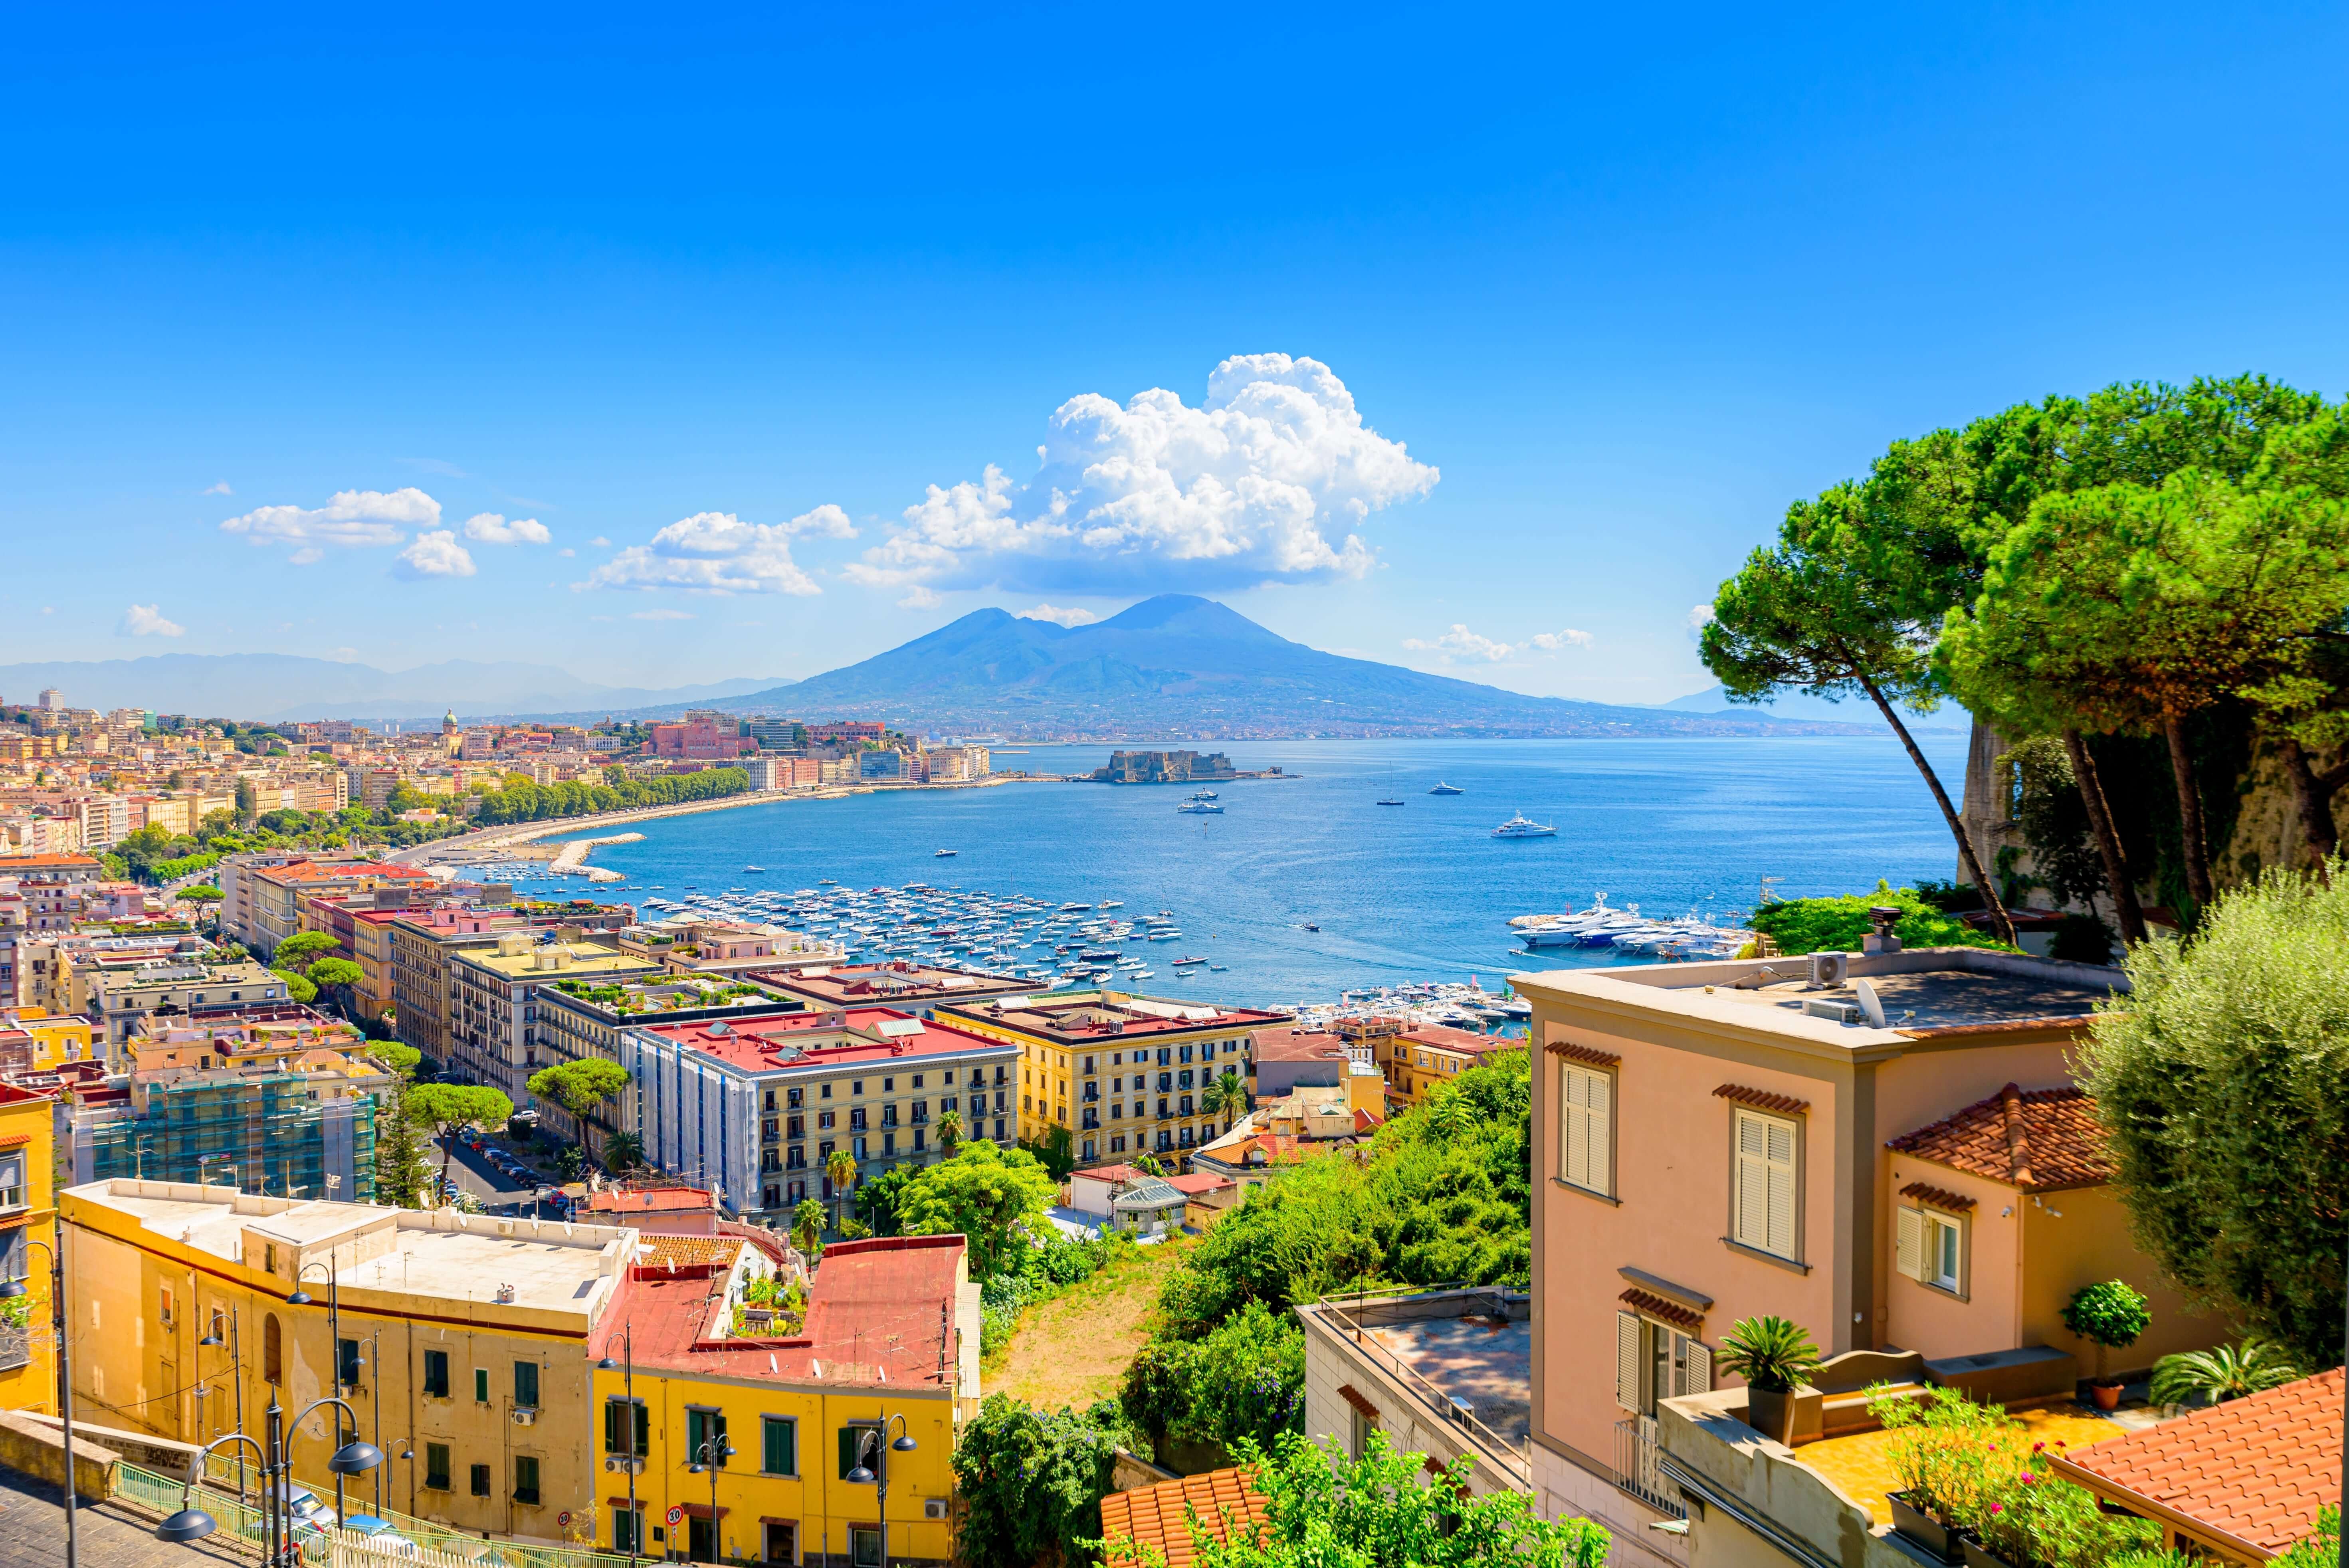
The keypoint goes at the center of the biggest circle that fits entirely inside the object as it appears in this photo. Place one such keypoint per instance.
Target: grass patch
(1074, 1348)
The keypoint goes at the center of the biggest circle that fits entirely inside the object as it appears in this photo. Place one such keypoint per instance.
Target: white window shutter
(1696, 1374)
(1574, 1156)
(1601, 1122)
(1909, 1242)
(1627, 1360)
(1782, 1189)
(1753, 1181)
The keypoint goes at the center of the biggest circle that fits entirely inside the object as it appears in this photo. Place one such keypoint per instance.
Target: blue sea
(1419, 892)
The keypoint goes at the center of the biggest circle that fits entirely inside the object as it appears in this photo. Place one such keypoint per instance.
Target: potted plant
(2037, 1518)
(1950, 1454)
(2113, 1316)
(1774, 1356)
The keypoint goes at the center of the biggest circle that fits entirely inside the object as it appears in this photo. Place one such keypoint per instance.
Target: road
(477, 1176)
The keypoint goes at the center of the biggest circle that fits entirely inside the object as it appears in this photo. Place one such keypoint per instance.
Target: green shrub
(1949, 1453)
(1838, 925)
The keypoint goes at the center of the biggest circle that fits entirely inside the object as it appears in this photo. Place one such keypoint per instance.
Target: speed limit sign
(676, 1514)
(563, 1519)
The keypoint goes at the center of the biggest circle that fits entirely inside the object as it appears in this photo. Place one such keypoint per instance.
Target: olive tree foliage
(2223, 1080)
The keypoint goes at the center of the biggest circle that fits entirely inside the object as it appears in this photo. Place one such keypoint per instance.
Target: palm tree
(807, 1227)
(2228, 1372)
(840, 1166)
(1222, 1096)
(949, 1128)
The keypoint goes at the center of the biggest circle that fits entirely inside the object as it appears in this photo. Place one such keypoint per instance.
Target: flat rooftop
(1923, 992)
(1472, 1346)
(1087, 1017)
(848, 985)
(585, 959)
(821, 1041)
(438, 1253)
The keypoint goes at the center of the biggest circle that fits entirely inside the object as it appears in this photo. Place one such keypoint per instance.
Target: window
(525, 1479)
(852, 1440)
(479, 1480)
(1930, 1247)
(347, 1362)
(273, 1350)
(778, 1445)
(1654, 1361)
(1763, 1210)
(625, 1528)
(164, 1308)
(481, 1385)
(616, 1425)
(1585, 1129)
(435, 1467)
(436, 1373)
(865, 1546)
(1358, 1428)
(705, 1435)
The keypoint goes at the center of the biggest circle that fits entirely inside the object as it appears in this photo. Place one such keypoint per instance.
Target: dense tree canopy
(1032, 1481)
(990, 1195)
(579, 1087)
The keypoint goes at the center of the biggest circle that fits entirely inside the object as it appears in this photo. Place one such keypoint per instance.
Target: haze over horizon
(759, 346)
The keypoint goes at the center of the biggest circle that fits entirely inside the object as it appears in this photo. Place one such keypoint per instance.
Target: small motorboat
(1443, 789)
(1390, 802)
(945, 854)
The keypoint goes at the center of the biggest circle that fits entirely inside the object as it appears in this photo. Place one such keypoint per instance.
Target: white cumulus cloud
(1460, 642)
(1266, 480)
(437, 555)
(920, 598)
(660, 616)
(1551, 642)
(350, 519)
(1058, 616)
(718, 552)
(1699, 616)
(489, 527)
(220, 489)
(147, 621)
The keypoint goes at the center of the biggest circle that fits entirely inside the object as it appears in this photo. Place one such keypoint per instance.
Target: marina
(1305, 888)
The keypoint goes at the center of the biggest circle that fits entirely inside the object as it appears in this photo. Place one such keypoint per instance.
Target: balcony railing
(1345, 1310)
(16, 1347)
(1636, 1468)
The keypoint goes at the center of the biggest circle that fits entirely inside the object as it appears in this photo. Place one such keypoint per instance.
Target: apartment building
(755, 1107)
(458, 1338)
(583, 1019)
(887, 1344)
(33, 1039)
(1888, 1150)
(493, 1021)
(695, 945)
(273, 899)
(1424, 1056)
(28, 1377)
(1116, 1073)
(193, 988)
(424, 988)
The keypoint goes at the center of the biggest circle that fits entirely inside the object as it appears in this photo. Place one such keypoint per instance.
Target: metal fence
(1637, 1471)
(1344, 1309)
(218, 1496)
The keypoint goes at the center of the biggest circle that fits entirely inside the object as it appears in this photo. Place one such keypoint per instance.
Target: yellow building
(888, 1342)
(458, 1340)
(28, 1368)
(34, 1040)
(1420, 1058)
(1118, 1074)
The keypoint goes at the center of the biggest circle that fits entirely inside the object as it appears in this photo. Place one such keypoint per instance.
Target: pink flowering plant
(2032, 1519)
(1949, 1453)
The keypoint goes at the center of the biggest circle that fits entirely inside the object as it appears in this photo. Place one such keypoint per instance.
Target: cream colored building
(461, 1339)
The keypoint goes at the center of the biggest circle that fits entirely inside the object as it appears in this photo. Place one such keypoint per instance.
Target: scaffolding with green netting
(263, 1132)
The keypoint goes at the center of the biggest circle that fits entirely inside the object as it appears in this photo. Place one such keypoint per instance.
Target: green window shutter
(612, 1408)
(644, 1430)
(695, 1435)
(482, 1385)
(779, 1444)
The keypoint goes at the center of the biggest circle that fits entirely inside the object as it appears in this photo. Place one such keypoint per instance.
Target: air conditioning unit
(1828, 969)
(935, 1508)
(525, 1418)
(624, 1465)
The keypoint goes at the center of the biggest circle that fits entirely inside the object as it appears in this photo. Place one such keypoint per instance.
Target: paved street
(32, 1533)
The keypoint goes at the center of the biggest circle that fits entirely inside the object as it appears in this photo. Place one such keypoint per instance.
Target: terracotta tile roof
(1589, 1055)
(1657, 1306)
(1294, 1045)
(1465, 1042)
(1938, 1197)
(651, 1201)
(1763, 1099)
(660, 1251)
(2040, 1140)
(2252, 1471)
(1158, 1516)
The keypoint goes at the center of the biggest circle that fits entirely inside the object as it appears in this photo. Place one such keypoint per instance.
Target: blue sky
(711, 303)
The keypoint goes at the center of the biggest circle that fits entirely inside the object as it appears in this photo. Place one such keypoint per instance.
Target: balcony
(1638, 1469)
(16, 1347)
(1448, 1372)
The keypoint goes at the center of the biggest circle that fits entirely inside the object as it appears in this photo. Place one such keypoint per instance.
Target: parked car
(380, 1534)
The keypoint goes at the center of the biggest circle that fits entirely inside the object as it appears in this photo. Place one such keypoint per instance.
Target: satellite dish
(1864, 995)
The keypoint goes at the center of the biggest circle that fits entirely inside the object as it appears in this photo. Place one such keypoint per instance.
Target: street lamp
(711, 1456)
(236, 1372)
(193, 1523)
(280, 1550)
(873, 1469)
(334, 1342)
(10, 1289)
(627, 1367)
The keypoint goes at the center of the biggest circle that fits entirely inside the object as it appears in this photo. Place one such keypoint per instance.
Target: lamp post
(627, 1368)
(334, 1346)
(280, 1550)
(711, 1456)
(236, 1374)
(10, 1290)
(873, 1469)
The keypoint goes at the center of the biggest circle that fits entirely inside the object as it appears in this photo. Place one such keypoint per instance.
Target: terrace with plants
(630, 1000)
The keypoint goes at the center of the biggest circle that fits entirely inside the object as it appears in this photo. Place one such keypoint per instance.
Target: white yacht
(1201, 808)
(1524, 827)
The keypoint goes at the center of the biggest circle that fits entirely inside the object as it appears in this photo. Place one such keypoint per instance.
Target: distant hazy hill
(281, 685)
(1800, 706)
(1177, 666)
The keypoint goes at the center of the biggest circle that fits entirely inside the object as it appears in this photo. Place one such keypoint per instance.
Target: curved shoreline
(466, 846)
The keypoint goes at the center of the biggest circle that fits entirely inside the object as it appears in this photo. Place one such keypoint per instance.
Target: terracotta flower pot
(2104, 1395)
(1771, 1414)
